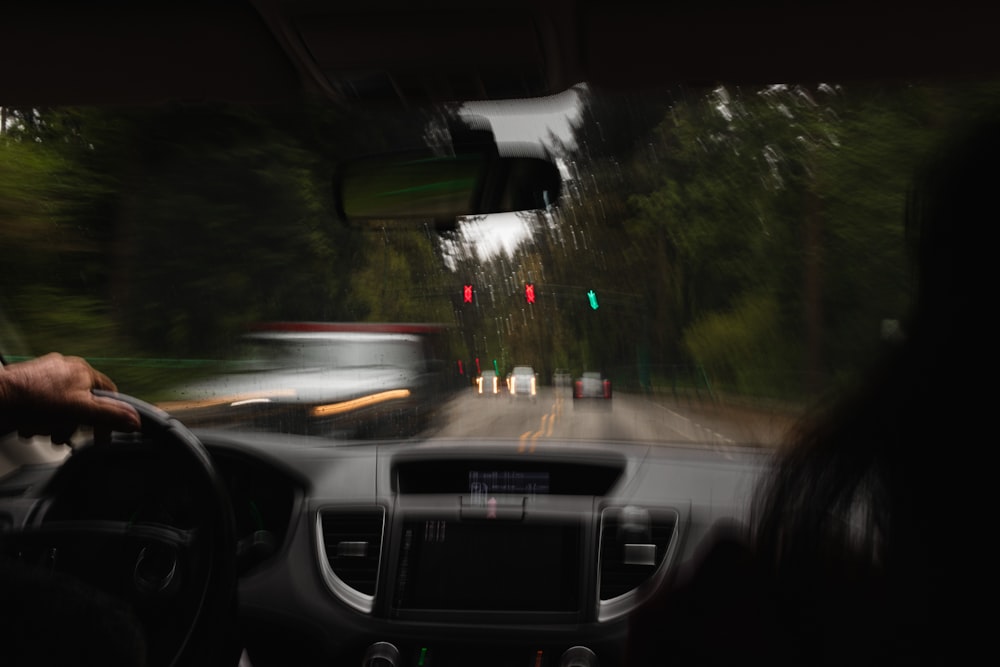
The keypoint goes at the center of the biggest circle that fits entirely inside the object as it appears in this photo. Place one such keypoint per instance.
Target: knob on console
(578, 656)
(381, 654)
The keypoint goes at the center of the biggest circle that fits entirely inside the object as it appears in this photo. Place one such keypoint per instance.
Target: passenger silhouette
(870, 528)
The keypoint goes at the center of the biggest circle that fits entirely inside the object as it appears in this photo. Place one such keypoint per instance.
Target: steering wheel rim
(219, 595)
(207, 636)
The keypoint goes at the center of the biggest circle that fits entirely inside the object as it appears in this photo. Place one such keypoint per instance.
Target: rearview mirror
(420, 185)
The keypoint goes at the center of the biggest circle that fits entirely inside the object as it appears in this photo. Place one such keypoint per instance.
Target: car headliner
(404, 53)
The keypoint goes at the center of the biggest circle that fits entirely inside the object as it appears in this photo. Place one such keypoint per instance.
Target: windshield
(725, 256)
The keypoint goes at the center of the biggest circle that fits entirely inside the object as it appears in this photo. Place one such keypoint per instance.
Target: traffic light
(592, 295)
(467, 294)
(529, 292)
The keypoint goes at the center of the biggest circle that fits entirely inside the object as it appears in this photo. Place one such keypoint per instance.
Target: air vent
(634, 543)
(350, 543)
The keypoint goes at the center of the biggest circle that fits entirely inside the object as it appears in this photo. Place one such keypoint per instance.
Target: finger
(111, 413)
(101, 381)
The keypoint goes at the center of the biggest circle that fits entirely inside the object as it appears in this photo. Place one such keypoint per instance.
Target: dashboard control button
(578, 656)
(381, 654)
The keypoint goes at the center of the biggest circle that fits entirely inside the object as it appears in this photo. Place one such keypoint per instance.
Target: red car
(592, 386)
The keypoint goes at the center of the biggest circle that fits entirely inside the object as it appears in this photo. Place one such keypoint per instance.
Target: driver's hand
(52, 395)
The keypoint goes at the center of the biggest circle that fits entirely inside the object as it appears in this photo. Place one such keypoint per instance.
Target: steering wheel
(175, 568)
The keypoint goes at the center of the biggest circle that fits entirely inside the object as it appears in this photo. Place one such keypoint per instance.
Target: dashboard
(448, 552)
(441, 552)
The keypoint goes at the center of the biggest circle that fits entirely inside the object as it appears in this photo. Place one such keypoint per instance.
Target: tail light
(607, 389)
(578, 389)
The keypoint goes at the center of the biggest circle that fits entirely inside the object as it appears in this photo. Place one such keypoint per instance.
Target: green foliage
(179, 225)
(738, 350)
(69, 323)
(400, 279)
(757, 234)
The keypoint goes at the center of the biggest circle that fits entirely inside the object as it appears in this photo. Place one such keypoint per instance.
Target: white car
(523, 383)
(343, 379)
(488, 384)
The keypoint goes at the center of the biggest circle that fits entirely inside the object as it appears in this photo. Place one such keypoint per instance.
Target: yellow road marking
(534, 436)
(547, 426)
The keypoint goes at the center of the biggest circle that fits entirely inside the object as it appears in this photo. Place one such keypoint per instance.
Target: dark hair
(863, 498)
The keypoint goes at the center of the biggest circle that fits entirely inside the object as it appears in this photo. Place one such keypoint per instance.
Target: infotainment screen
(489, 566)
(513, 482)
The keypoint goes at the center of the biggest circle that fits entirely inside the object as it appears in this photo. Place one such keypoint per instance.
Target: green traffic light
(495, 367)
(593, 299)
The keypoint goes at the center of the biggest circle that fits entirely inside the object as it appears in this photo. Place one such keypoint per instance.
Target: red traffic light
(467, 294)
(529, 292)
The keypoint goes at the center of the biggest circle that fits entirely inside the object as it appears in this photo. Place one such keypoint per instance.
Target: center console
(524, 556)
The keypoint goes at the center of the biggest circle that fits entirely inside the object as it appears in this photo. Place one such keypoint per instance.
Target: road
(631, 417)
